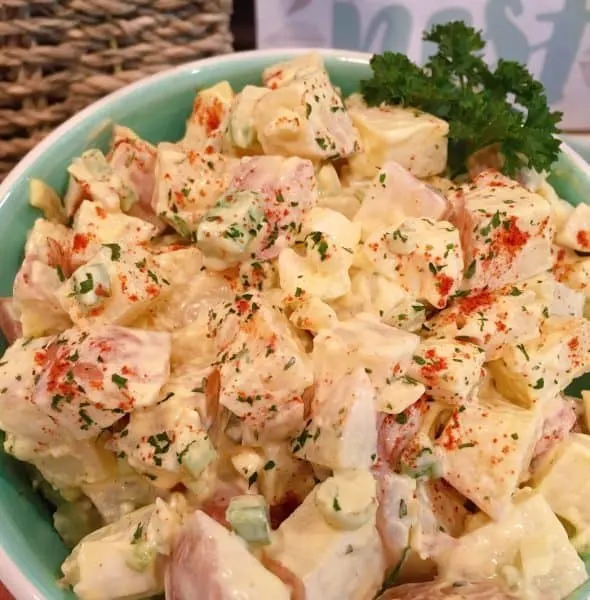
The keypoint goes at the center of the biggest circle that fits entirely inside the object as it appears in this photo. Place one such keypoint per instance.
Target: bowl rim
(10, 574)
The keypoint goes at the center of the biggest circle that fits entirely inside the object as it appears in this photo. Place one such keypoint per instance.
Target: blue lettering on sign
(393, 23)
(391, 28)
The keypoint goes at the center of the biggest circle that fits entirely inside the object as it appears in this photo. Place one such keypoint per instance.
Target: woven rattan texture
(57, 56)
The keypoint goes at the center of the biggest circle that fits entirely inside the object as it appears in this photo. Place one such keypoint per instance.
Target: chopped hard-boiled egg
(329, 240)
(347, 500)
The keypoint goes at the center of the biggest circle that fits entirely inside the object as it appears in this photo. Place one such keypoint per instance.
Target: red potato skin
(9, 324)
(432, 590)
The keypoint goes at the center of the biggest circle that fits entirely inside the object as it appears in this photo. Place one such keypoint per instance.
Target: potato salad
(285, 357)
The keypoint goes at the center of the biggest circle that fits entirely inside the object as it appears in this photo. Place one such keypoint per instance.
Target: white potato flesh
(537, 370)
(529, 542)
(188, 184)
(563, 480)
(490, 319)
(303, 115)
(384, 352)
(116, 286)
(414, 139)
(506, 232)
(394, 194)
(316, 555)
(209, 558)
(421, 255)
(485, 448)
(209, 119)
(263, 367)
(449, 369)
(342, 430)
(575, 232)
(88, 380)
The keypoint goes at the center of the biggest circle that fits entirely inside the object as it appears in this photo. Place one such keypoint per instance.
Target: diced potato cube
(485, 447)
(423, 256)
(395, 194)
(100, 182)
(119, 560)
(263, 367)
(575, 232)
(209, 558)
(261, 212)
(167, 441)
(563, 479)
(529, 544)
(449, 369)
(89, 379)
(116, 286)
(18, 414)
(539, 369)
(207, 123)
(241, 127)
(94, 226)
(414, 139)
(187, 185)
(557, 299)
(342, 430)
(303, 115)
(490, 319)
(507, 232)
(384, 352)
(318, 567)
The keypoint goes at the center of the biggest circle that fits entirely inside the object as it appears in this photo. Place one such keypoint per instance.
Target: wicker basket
(57, 56)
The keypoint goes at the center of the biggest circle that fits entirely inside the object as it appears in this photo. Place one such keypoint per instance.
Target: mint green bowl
(156, 108)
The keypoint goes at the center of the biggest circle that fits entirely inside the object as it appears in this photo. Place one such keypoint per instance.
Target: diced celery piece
(248, 516)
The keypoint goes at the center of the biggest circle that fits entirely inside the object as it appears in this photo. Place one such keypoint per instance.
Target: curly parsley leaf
(505, 108)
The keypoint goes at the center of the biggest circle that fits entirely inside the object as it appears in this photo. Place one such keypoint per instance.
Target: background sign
(551, 36)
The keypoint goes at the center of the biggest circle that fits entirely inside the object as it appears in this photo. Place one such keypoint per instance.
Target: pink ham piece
(212, 563)
(9, 320)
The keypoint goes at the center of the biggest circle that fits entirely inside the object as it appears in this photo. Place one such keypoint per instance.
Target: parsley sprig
(505, 107)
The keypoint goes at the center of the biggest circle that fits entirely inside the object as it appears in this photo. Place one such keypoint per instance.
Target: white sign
(551, 36)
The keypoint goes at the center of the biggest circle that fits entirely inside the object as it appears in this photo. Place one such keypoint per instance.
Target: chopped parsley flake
(115, 251)
(119, 381)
